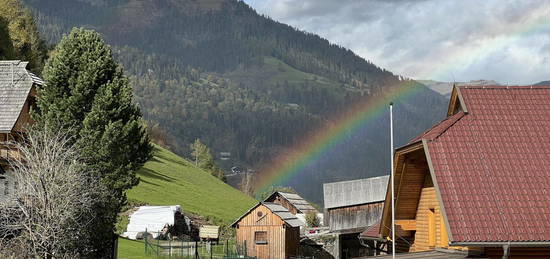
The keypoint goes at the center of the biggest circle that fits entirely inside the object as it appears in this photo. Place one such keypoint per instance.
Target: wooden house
(268, 231)
(350, 208)
(17, 97)
(477, 181)
(292, 202)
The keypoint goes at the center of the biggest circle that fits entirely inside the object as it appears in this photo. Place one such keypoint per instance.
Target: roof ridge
(462, 114)
(422, 135)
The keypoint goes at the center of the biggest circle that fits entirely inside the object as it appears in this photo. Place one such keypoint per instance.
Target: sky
(444, 40)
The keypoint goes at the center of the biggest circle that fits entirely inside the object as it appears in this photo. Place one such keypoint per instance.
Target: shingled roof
(491, 164)
(15, 85)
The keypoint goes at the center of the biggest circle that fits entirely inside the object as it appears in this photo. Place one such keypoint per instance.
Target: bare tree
(47, 214)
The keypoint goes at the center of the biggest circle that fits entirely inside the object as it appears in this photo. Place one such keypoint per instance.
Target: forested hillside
(241, 82)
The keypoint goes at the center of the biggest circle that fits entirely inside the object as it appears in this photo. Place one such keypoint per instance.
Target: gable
(493, 166)
(260, 216)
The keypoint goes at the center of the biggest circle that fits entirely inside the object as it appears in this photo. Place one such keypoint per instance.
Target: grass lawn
(130, 249)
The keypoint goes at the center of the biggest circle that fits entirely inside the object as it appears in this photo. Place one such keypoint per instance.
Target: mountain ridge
(243, 83)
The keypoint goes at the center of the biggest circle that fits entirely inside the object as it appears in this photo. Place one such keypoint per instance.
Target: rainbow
(358, 117)
(325, 139)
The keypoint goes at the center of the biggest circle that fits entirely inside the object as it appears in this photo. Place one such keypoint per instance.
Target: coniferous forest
(242, 83)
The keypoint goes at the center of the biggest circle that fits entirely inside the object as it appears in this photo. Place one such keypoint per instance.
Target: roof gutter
(503, 243)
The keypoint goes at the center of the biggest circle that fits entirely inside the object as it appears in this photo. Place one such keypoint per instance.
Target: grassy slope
(171, 180)
(276, 71)
(168, 179)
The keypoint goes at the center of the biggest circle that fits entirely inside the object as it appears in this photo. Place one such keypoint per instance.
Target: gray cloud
(504, 40)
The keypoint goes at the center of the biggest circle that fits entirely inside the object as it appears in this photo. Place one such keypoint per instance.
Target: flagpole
(392, 185)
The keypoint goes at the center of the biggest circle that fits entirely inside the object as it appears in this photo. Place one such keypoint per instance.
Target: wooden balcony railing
(8, 151)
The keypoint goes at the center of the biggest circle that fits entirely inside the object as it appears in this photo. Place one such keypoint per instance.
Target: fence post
(145, 241)
(226, 247)
(196, 250)
(158, 243)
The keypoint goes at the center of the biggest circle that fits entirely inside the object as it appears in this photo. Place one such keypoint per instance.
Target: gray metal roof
(356, 192)
(15, 84)
(284, 214)
(297, 201)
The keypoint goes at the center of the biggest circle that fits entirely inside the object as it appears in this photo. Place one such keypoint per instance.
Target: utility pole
(392, 186)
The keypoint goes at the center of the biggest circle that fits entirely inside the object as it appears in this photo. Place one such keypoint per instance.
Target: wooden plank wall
(408, 184)
(428, 203)
(354, 216)
(428, 213)
(276, 247)
(24, 119)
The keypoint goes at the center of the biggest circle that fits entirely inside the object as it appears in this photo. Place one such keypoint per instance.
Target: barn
(268, 231)
(350, 208)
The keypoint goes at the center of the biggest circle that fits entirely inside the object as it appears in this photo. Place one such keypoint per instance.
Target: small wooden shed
(268, 231)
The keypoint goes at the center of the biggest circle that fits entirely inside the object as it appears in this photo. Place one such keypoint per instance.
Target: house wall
(351, 217)
(430, 228)
(280, 244)
(431, 231)
(25, 119)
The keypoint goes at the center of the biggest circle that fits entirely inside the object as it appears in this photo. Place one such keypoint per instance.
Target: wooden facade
(354, 217)
(264, 234)
(418, 214)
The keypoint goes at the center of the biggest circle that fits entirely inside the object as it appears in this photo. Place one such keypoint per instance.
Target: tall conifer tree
(87, 94)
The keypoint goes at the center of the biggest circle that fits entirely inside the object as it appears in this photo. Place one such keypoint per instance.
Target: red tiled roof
(372, 231)
(439, 128)
(492, 165)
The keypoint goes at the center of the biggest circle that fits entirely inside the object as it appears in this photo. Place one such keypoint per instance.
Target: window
(260, 214)
(260, 237)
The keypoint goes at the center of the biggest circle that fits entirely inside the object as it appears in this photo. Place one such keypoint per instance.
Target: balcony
(8, 151)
